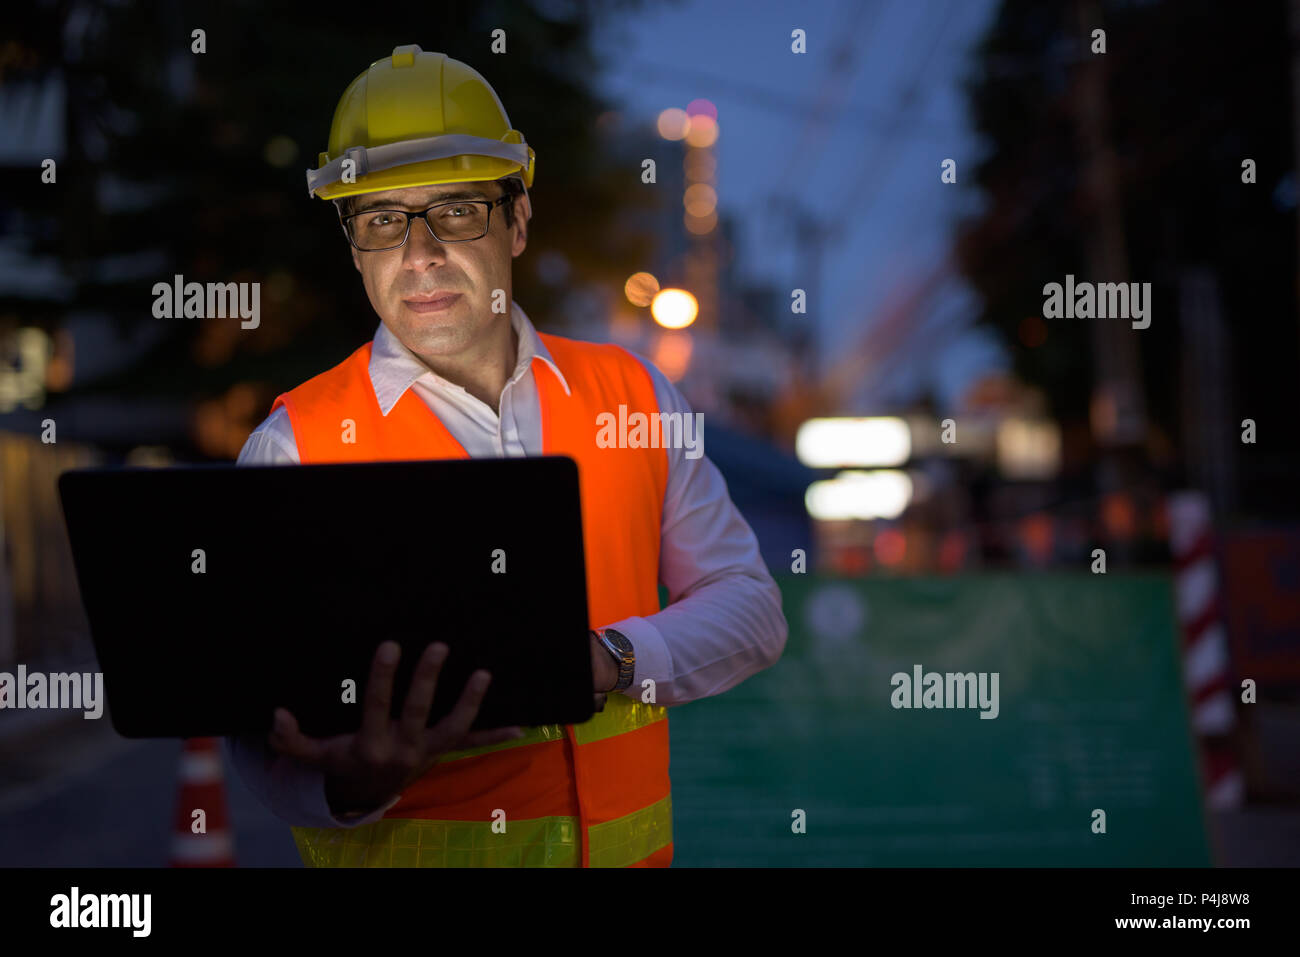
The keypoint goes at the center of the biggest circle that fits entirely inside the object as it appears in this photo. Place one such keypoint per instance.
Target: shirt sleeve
(272, 442)
(291, 790)
(724, 620)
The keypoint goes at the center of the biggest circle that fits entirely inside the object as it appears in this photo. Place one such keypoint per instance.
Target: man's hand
(604, 673)
(365, 769)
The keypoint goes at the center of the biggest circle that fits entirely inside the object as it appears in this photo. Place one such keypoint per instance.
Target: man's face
(401, 282)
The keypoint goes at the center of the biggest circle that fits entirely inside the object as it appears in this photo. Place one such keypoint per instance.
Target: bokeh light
(700, 165)
(674, 308)
(640, 288)
(700, 199)
(700, 225)
(703, 131)
(673, 354)
(673, 124)
(702, 108)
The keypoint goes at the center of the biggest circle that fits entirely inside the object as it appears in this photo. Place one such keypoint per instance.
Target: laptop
(215, 593)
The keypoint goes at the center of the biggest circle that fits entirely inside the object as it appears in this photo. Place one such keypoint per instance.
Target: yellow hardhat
(418, 119)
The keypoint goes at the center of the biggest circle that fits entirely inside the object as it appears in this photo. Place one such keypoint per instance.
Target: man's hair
(511, 185)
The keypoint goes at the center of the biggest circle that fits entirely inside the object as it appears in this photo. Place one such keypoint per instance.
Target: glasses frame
(423, 214)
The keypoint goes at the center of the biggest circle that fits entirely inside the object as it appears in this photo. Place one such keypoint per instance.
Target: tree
(1195, 87)
(192, 163)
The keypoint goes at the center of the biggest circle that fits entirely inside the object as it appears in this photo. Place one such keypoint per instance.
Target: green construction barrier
(1091, 716)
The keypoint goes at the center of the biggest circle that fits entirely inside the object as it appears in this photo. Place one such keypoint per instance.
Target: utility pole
(812, 233)
(1118, 405)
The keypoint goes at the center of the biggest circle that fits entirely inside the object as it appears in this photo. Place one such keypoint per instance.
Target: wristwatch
(616, 644)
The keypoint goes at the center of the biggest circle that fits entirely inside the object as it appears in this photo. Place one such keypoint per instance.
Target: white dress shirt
(723, 622)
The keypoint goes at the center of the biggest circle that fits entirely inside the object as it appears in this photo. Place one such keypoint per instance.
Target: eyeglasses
(460, 222)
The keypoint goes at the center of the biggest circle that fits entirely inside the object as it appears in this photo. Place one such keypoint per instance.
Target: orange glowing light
(891, 547)
(700, 200)
(1038, 535)
(700, 225)
(700, 165)
(1119, 516)
(703, 131)
(640, 288)
(673, 354)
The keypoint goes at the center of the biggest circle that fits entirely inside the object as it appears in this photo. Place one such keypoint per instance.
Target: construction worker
(431, 183)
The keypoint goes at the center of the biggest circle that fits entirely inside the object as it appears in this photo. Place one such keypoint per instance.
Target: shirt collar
(394, 368)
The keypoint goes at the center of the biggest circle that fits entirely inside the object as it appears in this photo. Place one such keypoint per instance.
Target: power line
(882, 161)
(702, 82)
(834, 88)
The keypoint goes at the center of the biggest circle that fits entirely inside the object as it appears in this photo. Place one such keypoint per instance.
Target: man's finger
(378, 709)
(456, 725)
(599, 701)
(415, 710)
(286, 738)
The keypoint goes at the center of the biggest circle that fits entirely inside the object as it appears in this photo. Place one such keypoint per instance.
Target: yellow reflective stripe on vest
(398, 842)
(621, 715)
(539, 842)
(634, 837)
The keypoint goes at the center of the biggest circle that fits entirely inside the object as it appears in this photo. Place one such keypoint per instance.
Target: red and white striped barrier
(1210, 689)
(202, 788)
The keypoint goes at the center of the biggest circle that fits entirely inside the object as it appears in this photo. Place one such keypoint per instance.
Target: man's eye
(457, 210)
(383, 219)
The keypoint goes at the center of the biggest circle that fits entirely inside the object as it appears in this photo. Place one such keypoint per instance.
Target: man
(431, 184)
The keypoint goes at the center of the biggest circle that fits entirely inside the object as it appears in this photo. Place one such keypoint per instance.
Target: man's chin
(430, 335)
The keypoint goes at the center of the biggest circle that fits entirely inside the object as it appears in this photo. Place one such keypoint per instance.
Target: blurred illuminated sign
(1028, 448)
(859, 495)
(22, 374)
(830, 443)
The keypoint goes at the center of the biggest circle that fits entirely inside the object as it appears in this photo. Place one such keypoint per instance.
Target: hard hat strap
(414, 151)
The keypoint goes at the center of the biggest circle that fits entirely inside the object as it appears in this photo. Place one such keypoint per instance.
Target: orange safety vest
(594, 794)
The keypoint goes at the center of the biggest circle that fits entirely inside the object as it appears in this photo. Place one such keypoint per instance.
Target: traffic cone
(202, 840)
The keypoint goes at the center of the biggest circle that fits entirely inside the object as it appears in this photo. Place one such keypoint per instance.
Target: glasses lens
(456, 222)
(378, 228)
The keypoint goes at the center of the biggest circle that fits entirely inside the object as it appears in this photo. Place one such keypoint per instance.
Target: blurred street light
(674, 308)
(700, 225)
(703, 131)
(673, 124)
(700, 199)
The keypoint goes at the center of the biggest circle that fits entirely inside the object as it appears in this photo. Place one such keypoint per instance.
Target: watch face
(618, 640)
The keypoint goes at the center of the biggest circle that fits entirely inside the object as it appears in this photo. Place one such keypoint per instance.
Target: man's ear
(523, 213)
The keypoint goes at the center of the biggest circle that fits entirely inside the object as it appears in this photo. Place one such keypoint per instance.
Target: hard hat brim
(432, 173)
(429, 162)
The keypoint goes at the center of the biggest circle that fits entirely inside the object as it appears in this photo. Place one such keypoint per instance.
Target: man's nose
(421, 246)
